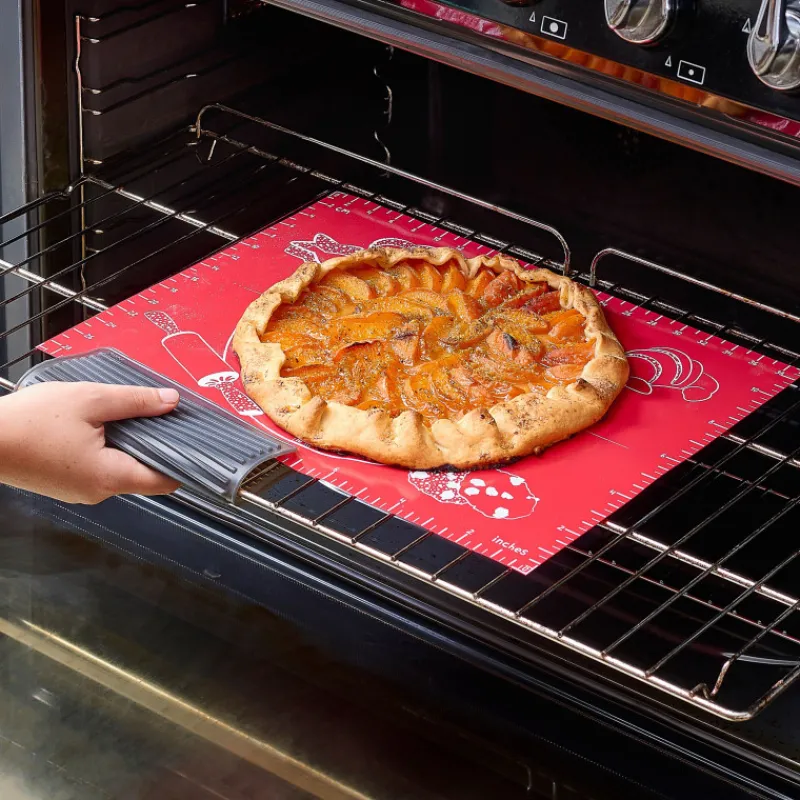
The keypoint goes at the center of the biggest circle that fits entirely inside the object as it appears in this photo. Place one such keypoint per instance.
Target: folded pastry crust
(479, 438)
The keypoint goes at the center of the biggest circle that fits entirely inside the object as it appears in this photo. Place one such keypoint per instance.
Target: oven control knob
(640, 21)
(773, 47)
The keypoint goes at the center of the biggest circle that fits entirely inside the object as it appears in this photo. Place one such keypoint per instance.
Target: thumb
(108, 403)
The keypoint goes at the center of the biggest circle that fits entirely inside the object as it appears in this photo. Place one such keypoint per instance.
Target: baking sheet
(686, 388)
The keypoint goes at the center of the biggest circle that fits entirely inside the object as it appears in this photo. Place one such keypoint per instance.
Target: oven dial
(773, 47)
(640, 21)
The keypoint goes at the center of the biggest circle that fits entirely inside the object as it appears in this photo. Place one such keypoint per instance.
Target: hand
(52, 440)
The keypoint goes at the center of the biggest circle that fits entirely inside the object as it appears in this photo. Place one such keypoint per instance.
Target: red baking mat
(687, 388)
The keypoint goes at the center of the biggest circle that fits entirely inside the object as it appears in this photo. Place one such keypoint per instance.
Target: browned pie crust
(482, 437)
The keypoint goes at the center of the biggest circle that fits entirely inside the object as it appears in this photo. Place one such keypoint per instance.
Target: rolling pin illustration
(202, 364)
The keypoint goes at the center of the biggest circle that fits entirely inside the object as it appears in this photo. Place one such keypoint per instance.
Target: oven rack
(754, 629)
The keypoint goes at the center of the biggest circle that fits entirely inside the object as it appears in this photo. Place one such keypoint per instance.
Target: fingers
(108, 403)
(125, 475)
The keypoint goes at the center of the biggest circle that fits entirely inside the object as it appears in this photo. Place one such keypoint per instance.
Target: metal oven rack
(673, 590)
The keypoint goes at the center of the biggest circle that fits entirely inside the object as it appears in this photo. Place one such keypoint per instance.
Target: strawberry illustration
(495, 494)
(442, 486)
(499, 494)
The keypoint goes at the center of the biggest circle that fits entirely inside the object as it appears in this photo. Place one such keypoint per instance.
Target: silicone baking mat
(687, 387)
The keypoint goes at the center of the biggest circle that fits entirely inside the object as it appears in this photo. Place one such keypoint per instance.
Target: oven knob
(773, 47)
(640, 21)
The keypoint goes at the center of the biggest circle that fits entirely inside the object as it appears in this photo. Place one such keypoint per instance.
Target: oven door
(149, 649)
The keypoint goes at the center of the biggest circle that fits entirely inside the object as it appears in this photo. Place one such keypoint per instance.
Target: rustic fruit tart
(424, 358)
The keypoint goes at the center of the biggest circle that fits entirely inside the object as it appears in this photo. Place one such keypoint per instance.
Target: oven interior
(184, 126)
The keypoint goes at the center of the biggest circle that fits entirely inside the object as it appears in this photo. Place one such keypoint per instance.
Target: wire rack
(689, 588)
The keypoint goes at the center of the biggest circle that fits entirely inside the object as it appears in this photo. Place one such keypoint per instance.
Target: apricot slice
(481, 397)
(453, 278)
(405, 344)
(535, 290)
(567, 325)
(549, 301)
(468, 334)
(504, 343)
(522, 318)
(383, 283)
(418, 389)
(298, 326)
(286, 312)
(370, 328)
(487, 365)
(441, 364)
(517, 336)
(380, 389)
(304, 356)
(343, 302)
(447, 388)
(501, 288)
(429, 277)
(500, 391)
(462, 377)
(406, 276)
(289, 339)
(578, 353)
(349, 284)
(402, 305)
(565, 372)
(473, 385)
(435, 334)
(392, 373)
(319, 304)
(537, 387)
(377, 391)
(464, 306)
(358, 373)
(359, 364)
(476, 285)
(427, 297)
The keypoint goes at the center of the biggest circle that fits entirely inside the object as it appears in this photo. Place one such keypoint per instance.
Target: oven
(647, 148)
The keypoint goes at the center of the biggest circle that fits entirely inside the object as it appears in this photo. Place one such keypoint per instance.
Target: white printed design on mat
(497, 495)
(322, 247)
(667, 368)
(202, 363)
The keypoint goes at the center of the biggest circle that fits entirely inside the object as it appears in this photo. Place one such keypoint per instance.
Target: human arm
(52, 440)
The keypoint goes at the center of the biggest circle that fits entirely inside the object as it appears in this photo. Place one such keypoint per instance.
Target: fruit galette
(424, 358)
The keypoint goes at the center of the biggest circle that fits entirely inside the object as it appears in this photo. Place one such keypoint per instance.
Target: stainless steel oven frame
(117, 205)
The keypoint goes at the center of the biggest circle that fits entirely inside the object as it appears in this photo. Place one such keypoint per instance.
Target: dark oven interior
(153, 152)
